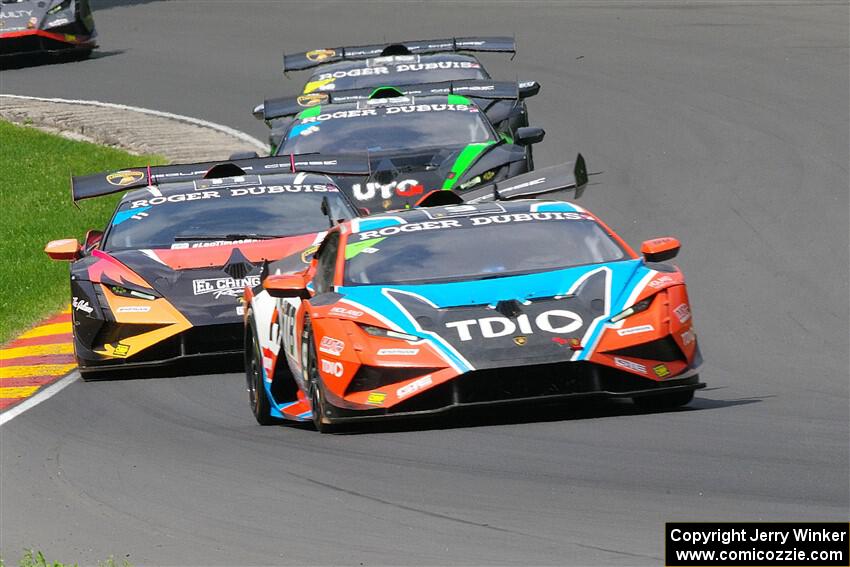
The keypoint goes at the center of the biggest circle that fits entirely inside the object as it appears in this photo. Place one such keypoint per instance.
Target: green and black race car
(417, 68)
(415, 145)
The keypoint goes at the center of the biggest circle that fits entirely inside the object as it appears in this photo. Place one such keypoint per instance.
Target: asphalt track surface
(723, 124)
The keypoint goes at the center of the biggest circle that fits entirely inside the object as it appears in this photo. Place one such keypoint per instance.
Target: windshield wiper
(254, 236)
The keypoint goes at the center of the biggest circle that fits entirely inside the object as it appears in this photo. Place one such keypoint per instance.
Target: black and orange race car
(164, 280)
(46, 26)
(425, 310)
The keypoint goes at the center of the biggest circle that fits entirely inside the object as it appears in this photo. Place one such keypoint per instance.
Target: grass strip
(36, 207)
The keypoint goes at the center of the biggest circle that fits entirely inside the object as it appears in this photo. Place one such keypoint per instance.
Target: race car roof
(316, 57)
(106, 183)
(491, 90)
(410, 216)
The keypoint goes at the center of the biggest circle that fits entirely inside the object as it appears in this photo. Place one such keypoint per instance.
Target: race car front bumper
(546, 383)
(27, 42)
(191, 344)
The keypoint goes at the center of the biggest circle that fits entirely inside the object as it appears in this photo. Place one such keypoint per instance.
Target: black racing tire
(82, 54)
(664, 401)
(310, 365)
(257, 396)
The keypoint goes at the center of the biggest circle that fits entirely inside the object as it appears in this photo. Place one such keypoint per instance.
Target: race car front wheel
(310, 364)
(257, 395)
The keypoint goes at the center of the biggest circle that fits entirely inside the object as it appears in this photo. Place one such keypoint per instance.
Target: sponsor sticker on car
(415, 386)
(558, 321)
(635, 330)
(398, 352)
(133, 309)
(345, 312)
(332, 367)
(623, 363)
(683, 312)
(81, 305)
(332, 346)
(232, 287)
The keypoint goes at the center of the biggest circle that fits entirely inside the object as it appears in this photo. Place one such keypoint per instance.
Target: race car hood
(400, 179)
(527, 319)
(206, 283)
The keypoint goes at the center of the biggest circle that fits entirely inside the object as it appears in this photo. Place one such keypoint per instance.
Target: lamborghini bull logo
(125, 177)
(312, 99)
(318, 55)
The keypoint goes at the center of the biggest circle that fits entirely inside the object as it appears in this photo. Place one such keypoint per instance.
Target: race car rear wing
(553, 182)
(106, 183)
(472, 88)
(317, 57)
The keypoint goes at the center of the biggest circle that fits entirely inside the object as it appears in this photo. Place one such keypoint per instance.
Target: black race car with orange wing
(164, 280)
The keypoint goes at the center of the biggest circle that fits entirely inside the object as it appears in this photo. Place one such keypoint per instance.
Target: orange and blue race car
(164, 281)
(428, 309)
(46, 26)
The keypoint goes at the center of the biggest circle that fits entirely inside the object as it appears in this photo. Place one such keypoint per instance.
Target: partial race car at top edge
(46, 26)
(164, 281)
(422, 311)
(415, 145)
(410, 63)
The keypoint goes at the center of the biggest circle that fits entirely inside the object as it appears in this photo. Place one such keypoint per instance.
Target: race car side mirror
(65, 249)
(93, 237)
(286, 285)
(660, 249)
(528, 135)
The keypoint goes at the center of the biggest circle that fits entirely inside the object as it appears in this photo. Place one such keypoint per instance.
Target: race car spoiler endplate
(545, 182)
(317, 57)
(106, 183)
(472, 88)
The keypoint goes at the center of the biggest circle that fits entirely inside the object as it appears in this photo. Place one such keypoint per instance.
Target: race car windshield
(470, 252)
(222, 215)
(386, 128)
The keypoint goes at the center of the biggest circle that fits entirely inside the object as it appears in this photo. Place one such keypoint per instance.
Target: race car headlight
(387, 333)
(636, 308)
(65, 4)
(127, 292)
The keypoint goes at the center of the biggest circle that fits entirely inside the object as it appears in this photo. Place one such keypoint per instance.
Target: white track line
(41, 396)
(196, 121)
